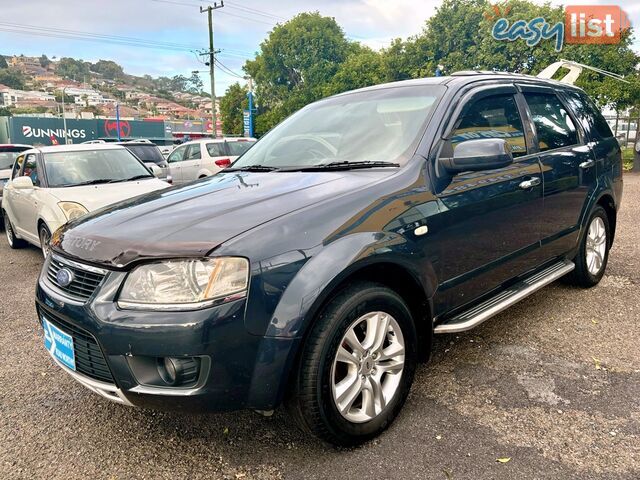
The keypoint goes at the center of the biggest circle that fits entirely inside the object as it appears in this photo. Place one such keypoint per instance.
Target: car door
(488, 228)
(175, 160)
(568, 167)
(192, 162)
(25, 201)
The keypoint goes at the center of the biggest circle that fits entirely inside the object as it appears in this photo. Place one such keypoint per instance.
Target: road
(553, 384)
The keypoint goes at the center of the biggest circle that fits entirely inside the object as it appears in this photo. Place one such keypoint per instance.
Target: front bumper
(243, 370)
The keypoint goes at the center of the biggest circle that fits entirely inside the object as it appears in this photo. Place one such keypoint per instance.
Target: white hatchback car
(204, 157)
(51, 185)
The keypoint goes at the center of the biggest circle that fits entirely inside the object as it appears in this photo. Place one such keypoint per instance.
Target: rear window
(146, 153)
(8, 156)
(238, 148)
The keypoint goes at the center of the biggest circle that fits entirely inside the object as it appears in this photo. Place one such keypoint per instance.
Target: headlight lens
(184, 284)
(72, 210)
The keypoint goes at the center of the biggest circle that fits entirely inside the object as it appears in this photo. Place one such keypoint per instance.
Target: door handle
(528, 184)
(587, 164)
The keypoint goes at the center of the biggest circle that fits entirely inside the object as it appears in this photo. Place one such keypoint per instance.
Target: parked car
(8, 154)
(317, 268)
(205, 157)
(52, 185)
(151, 156)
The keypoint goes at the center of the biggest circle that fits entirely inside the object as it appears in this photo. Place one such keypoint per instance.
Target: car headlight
(72, 210)
(185, 284)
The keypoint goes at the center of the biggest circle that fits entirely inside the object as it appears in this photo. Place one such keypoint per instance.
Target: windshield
(382, 125)
(238, 147)
(67, 169)
(146, 153)
(7, 157)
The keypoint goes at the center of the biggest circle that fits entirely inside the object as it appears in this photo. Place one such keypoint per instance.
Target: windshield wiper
(342, 165)
(137, 177)
(251, 168)
(89, 182)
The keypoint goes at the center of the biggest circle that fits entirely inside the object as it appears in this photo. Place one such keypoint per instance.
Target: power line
(80, 35)
(250, 19)
(255, 11)
(227, 70)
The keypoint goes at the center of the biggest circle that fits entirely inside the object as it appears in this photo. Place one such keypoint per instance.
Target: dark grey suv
(317, 268)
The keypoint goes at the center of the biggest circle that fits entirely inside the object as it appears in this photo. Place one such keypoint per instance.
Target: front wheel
(45, 239)
(12, 239)
(593, 254)
(356, 367)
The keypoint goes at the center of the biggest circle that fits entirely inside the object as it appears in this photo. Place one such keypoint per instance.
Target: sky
(240, 27)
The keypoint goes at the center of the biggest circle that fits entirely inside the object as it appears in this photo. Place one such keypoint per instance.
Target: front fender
(316, 280)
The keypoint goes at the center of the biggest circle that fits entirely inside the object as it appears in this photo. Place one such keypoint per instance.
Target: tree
(295, 64)
(3, 62)
(108, 69)
(44, 61)
(362, 68)
(12, 78)
(232, 105)
(72, 68)
(5, 112)
(194, 84)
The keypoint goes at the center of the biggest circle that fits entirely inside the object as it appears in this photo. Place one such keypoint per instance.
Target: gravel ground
(553, 384)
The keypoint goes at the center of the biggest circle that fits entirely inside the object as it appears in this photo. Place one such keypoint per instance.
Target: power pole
(212, 57)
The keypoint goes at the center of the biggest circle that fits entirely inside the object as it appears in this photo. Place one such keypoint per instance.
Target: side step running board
(494, 305)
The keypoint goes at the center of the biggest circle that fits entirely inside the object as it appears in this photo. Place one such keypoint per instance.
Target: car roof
(219, 140)
(14, 145)
(462, 78)
(82, 147)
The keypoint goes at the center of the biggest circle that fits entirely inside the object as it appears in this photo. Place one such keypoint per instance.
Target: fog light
(176, 371)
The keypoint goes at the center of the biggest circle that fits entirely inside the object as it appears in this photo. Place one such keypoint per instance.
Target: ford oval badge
(64, 277)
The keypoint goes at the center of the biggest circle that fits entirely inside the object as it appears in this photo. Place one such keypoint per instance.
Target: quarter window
(588, 114)
(554, 126)
(492, 117)
(17, 166)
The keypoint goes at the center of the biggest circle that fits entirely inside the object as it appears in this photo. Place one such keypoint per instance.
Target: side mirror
(477, 155)
(22, 183)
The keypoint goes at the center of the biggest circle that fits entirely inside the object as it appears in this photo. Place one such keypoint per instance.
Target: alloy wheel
(45, 238)
(368, 367)
(8, 230)
(596, 246)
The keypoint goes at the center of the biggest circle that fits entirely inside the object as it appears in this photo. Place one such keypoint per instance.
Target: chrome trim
(494, 305)
(587, 164)
(527, 184)
(172, 392)
(106, 390)
(181, 307)
(81, 266)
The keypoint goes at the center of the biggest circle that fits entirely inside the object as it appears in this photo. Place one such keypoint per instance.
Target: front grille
(88, 355)
(84, 282)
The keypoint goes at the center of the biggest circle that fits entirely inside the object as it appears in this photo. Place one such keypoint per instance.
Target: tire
(320, 376)
(590, 266)
(13, 241)
(45, 237)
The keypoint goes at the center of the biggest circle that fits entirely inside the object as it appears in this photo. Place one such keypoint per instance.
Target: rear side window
(492, 117)
(589, 114)
(194, 152)
(216, 149)
(554, 126)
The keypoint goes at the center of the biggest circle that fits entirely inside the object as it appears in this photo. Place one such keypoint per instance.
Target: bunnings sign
(51, 131)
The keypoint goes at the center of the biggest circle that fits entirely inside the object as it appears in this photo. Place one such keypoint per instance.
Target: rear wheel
(12, 239)
(592, 258)
(356, 367)
(45, 239)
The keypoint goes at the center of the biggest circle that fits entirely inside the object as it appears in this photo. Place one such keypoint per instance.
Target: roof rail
(575, 69)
